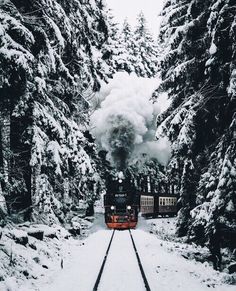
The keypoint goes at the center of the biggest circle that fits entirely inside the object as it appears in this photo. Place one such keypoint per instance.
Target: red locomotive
(121, 203)
(126, 197)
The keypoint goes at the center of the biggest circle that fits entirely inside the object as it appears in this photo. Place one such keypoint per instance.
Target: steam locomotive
(126, 197)
(121, 203)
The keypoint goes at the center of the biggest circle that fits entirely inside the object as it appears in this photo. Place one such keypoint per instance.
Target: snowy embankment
(165, 229)
(169, 265)
(31, 252)
(166, 269)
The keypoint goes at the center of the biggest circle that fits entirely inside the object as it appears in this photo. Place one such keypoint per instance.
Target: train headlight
(120, 181)
(112, 207)
(129, 207)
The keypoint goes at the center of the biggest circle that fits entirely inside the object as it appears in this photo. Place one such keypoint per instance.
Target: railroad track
(96, 285)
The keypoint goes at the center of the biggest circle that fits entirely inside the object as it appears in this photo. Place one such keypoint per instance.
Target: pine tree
(51, 62)
(145, 49)
(127, 42)
(112, 49)
(197, 68)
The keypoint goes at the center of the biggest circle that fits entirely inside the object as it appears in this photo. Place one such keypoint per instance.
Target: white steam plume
(124, 125)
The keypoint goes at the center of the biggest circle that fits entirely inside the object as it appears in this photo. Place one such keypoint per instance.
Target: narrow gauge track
(147, 287)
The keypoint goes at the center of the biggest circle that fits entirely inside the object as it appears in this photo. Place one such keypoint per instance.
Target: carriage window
(163, 202)
(160, 201)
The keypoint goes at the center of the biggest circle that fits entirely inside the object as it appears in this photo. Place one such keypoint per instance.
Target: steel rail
(95, 288)
(140, 264)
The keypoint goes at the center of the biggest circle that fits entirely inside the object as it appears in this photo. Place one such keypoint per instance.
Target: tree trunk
(5, 157)
(35, 188)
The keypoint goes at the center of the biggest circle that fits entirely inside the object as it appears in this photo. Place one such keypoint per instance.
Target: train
(126, 197)
(121, 203)
(156, 200)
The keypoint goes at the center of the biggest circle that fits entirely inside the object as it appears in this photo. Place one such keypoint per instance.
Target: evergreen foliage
(198, 72)
(145, 49)
(136, 51)
(51, 60)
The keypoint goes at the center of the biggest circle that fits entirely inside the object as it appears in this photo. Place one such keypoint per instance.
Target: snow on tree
(198, 73)
(145, 49)
(126, 39)
(216, 201)
(134, 51)
(51, 62)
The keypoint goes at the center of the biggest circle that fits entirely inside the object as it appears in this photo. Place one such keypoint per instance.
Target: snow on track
(121, 271)
(81, 273)
(165, 270)
(171, 272)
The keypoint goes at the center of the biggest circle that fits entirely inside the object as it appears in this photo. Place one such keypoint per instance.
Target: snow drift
(124, 123)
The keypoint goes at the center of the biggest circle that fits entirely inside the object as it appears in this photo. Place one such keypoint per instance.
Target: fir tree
(197, 68)
(51, 63)
(145, 49)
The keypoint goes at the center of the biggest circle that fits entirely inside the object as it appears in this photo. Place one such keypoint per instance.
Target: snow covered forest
(54, 55)
(57, 56)
(198, 72)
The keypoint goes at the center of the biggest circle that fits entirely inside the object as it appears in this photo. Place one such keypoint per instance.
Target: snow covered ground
(121, 271)
(165, 263)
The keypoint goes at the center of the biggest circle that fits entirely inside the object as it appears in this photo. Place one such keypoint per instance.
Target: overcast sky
(131, 8)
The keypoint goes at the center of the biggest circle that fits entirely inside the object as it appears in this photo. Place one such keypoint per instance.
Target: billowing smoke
(124, 123)
(121, 137)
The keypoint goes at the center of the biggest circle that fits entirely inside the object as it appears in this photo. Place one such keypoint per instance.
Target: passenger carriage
(156, 199)
(154, 204)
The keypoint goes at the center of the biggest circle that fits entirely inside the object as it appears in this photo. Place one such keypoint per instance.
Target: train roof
(157, 194)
